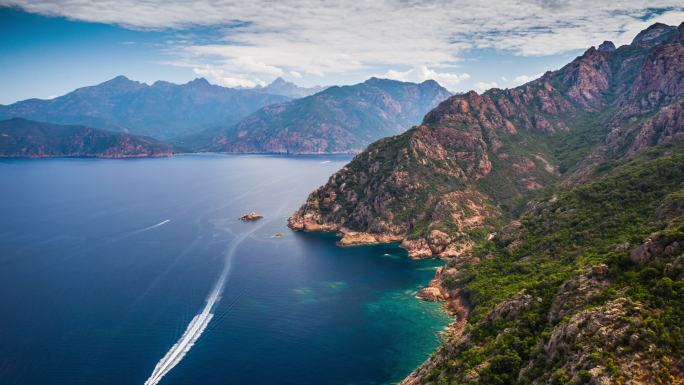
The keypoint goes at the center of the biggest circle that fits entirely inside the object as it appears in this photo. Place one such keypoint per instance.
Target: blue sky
(52, 47)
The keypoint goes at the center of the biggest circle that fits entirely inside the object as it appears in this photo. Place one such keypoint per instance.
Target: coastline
(452, 301)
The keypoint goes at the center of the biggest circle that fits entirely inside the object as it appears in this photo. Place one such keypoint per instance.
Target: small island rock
(251, 216)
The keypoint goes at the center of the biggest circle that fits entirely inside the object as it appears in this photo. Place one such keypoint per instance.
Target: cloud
(484, 86)
(261, 38)
(422, 73)
(522, 79)
(227, 79)
(295, 74)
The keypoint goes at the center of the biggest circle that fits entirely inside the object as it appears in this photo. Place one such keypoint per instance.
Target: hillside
(162, 110)
(587, 286)
(476, 158)
(336, 120)
(557, 208)
(20, 138)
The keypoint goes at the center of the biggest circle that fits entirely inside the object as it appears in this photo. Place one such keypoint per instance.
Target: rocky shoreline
(437, 245)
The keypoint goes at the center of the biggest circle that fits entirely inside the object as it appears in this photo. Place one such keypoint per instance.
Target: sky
(49, 48)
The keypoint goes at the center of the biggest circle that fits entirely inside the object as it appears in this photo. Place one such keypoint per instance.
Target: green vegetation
(600, 221)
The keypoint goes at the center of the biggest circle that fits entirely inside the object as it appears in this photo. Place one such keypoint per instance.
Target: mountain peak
(654, 34)
(606, 46)
(119, 84)
(199, 82)
(279, 81)
(121, 79)
(280, 86)
(430, 83)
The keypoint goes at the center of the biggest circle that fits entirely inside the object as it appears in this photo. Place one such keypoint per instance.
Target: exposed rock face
(578, 291)
(512, 308)
(20, 138)
(435, 290)
(473, 154)
(658, 246)
(336, 120)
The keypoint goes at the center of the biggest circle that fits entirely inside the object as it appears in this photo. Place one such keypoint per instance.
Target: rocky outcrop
(436, 291)
(613, 327)
(578, 291)
(512, 308)
(657, 247)
(251, 217)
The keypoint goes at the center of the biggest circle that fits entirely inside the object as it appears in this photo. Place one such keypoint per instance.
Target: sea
(138, 271)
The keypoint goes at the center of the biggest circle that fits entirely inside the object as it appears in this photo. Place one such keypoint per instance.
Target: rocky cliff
(20, 138)
(557, 206)
(476, 157)
(336, 120)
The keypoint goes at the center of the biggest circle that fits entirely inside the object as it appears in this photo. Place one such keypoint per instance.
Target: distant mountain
(163, 110)
(282, 87)
(21, 138)
(336, 120)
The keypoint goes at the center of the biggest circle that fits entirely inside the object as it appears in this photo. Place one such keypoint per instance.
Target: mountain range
(335, 120)
(28, 139)
(198, 116)
(162, 110)
(558, 207)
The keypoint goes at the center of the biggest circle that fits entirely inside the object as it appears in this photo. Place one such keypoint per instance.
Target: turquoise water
(105, 263)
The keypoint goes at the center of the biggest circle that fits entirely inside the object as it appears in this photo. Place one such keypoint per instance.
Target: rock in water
(251, 216)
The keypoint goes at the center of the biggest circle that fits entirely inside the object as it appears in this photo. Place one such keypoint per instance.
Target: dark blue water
(92, 292)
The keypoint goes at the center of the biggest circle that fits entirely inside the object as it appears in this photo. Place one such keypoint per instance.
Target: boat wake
(162, 223)
(198, 323)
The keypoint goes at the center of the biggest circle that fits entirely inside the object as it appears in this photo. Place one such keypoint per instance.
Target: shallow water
(104, 263)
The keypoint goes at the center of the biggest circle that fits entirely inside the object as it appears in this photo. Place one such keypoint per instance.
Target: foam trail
(162, 223)
(198, 323)
(324, 162)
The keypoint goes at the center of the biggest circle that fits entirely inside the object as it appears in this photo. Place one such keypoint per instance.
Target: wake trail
(148, 228)
(199, 322)
(135, 232)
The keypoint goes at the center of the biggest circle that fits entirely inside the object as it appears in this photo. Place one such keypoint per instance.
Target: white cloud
(484, 86)
(422, 73)
(262, 38)
(295, 74)
(522, 79)
(224, 78)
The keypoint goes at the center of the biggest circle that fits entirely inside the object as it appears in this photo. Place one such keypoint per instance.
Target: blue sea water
(104, 263)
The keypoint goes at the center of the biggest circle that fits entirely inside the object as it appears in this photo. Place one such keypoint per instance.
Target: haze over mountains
(162, 110)
(282, 87)
(198, 116)
(29, 139)
(338, 119)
